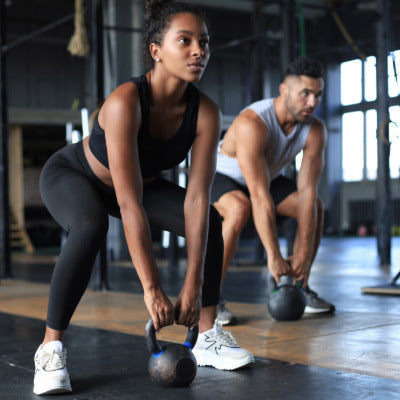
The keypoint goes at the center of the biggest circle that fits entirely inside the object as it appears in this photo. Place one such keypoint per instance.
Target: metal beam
(289, 40)
(100, 266)
(288, 54)
(97, 53)
(43, 116)
(38, 32)
(5, 267)
(383, 191)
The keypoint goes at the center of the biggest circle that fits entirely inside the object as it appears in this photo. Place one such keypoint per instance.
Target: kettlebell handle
(153, 346)
(276, 287)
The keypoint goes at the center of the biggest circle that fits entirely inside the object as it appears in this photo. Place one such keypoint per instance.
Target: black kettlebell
(286, 302)
(171, 365)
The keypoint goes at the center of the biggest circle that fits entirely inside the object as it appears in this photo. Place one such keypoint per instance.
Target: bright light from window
(371, 162)
(353, 146)
(350, 82)
(298, 160)
(393, 71)
(394, 138)
(370, 79)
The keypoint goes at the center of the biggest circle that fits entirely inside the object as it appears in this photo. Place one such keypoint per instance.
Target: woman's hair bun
(153, 6)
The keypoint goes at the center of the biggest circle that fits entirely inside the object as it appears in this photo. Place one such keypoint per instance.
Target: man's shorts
(281, 187)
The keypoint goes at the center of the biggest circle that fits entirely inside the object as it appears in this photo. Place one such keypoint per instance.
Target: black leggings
(80, 202)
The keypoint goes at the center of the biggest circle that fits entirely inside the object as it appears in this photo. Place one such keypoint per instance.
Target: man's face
(303, 95)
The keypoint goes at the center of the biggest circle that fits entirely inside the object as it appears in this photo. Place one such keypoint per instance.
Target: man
(263, 139)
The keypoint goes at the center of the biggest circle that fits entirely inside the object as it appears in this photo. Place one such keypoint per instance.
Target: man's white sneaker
(51, 375)
(224, 315)
(218, 348)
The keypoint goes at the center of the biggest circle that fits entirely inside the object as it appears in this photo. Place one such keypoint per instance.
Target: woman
(146, 125)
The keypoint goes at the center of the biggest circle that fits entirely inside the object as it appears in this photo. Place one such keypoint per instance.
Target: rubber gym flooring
(351, 354)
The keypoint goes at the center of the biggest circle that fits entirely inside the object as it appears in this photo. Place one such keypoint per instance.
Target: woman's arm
(120, 118)
(196, 208)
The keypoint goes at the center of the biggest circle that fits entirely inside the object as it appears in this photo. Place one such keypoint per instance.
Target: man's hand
(300, 266)
(278, 266)
(188, 307)
(160, 308)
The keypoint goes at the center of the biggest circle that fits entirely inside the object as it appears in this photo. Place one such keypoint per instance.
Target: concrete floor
(352, 354)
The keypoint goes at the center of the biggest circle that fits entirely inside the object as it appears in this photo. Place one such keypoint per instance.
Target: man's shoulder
(250, 119)
(318, 127)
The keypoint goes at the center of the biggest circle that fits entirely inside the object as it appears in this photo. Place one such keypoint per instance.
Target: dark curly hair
(305, 66)
(159, 14)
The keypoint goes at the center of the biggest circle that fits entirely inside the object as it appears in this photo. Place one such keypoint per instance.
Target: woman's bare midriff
(99, 169)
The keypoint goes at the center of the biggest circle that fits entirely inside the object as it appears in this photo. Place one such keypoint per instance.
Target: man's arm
(251, 142)
(307, 186)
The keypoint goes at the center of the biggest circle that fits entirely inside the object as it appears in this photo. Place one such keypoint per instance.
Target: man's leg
(288, 208)
(234, 207)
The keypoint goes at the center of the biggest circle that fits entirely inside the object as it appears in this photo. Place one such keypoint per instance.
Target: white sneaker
(218, 348)
(51, 375)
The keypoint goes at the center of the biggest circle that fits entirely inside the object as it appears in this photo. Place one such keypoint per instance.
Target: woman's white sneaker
(51, 375)
(218, 348)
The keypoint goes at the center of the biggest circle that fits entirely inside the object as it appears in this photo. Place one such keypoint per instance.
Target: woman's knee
(91, 228)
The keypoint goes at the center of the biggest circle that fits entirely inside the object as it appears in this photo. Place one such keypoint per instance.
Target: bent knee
(95, 228)
(235, 210)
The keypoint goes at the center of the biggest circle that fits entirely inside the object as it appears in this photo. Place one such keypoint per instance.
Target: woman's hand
(160, 308)
(188, 307)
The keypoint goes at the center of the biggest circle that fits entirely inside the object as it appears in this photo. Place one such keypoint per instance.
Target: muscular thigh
(284, 193)
(226, 193)
(233, 202)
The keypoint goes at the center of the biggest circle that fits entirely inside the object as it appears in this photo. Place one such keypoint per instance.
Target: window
(353, 146)
(359, 123)
(393, 69)
(394, 138)
(371, 151)
(350, 82)
(370, 79)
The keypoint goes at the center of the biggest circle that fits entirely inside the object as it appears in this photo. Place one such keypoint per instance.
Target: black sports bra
(154, 155)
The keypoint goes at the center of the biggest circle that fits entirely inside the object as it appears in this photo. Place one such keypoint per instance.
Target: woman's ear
(155, 52)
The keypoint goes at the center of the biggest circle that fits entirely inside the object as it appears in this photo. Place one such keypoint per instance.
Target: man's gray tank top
(282, 149)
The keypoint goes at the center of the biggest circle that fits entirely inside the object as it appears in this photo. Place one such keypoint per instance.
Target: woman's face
(184, 51)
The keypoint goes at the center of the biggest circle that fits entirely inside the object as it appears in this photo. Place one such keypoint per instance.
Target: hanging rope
(344, 31)
(302, 30)
(79, 45)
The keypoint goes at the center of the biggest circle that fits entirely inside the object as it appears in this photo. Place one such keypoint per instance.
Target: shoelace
(311, 292)
(52, 361)
(226, 338)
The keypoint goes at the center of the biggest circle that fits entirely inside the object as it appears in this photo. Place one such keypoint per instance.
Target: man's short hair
(305, 66)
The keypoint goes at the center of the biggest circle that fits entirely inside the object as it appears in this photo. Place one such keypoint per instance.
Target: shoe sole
(207, 360)
(226, 322)
(312, 310)
(52, 390)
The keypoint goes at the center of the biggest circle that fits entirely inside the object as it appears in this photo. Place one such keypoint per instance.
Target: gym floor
(351, 354)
